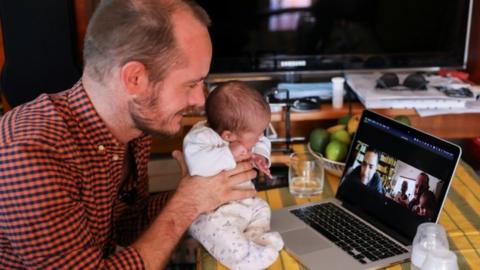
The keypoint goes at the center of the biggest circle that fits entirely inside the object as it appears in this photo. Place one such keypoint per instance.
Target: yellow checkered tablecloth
(460, 217)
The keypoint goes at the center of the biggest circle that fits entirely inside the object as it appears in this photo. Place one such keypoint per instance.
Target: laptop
(395, 178)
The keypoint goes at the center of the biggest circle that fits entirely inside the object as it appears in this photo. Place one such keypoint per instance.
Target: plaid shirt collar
(91, 124)
(94, 130)
(88, 119)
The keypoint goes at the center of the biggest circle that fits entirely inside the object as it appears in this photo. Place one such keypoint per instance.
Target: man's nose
(197, 98)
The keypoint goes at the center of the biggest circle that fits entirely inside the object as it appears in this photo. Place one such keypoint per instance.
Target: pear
(335, 128)
(353, 123)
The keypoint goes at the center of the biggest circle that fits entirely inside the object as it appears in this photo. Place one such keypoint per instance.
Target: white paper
(364, 85)
(470, 107)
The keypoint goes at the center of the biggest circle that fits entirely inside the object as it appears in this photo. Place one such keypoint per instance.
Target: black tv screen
(286, 35)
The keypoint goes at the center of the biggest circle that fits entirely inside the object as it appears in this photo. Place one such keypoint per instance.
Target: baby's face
(422, 211)
(249, 138)
(423, 205)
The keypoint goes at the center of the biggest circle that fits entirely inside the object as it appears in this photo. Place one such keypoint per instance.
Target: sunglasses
(413, 81)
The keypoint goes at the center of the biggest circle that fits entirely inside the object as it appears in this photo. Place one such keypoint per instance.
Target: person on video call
(366, 173)
(402, 197)
(426, 205)
(421, 186)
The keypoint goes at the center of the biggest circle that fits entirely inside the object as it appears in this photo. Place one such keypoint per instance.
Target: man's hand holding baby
(215, 190)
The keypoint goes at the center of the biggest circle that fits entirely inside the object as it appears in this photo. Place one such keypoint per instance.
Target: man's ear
(134, 77)
(228, 136)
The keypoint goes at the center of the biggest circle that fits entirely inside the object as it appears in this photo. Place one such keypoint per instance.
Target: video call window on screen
(383, 174)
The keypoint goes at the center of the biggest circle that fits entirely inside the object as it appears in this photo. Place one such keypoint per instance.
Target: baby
(402, 197)
(237, 234)
(426, 204)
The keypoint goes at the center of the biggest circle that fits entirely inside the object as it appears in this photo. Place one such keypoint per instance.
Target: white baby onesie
(237, 234)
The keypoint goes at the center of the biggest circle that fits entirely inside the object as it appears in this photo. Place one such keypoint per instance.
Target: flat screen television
(306, 35)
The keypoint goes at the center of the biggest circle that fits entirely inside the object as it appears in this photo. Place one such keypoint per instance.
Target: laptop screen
(396, 176)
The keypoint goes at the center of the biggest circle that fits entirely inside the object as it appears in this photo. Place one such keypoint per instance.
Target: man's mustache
(193, 110)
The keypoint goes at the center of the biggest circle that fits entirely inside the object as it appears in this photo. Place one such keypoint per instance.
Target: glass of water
(305, 175)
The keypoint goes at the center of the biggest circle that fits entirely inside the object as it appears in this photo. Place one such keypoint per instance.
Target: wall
(83, 11)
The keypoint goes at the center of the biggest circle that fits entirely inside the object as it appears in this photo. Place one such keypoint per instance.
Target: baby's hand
(239, 152)
(261, 163)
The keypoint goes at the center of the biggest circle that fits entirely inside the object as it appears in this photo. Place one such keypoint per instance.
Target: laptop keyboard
(348, 232)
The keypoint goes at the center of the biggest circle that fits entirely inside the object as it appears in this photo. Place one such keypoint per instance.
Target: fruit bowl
(333, 167)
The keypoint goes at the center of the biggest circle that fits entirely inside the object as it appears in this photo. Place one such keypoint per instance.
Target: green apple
(336, 151)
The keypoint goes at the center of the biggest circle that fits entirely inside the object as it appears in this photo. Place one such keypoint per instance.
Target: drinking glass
(305, 175)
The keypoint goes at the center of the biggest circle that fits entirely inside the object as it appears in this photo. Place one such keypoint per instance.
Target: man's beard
(147, 125)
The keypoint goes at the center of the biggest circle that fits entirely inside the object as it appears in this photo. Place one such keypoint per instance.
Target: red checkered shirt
(60, 174)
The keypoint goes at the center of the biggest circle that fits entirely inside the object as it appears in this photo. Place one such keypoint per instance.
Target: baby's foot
(254, 233)
(270, 239)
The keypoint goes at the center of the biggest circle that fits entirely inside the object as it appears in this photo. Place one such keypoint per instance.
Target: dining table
(460, 217)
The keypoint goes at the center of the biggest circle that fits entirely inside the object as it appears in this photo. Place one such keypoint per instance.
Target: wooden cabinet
(454, 126)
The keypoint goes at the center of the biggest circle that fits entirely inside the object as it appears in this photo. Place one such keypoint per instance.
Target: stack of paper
(470, 107)
(364, 85)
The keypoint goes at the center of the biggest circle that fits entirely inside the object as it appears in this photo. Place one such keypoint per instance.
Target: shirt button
(115, 157)
(101, 148)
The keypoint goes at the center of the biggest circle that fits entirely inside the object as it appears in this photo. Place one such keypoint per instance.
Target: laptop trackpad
(303, 241)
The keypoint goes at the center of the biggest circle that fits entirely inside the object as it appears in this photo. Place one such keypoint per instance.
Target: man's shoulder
(353, 175)
(40, 121)
(354, 172)
(377, 183)
(377, 179)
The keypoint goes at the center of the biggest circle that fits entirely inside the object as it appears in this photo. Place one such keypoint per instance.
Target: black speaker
(40, 48)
